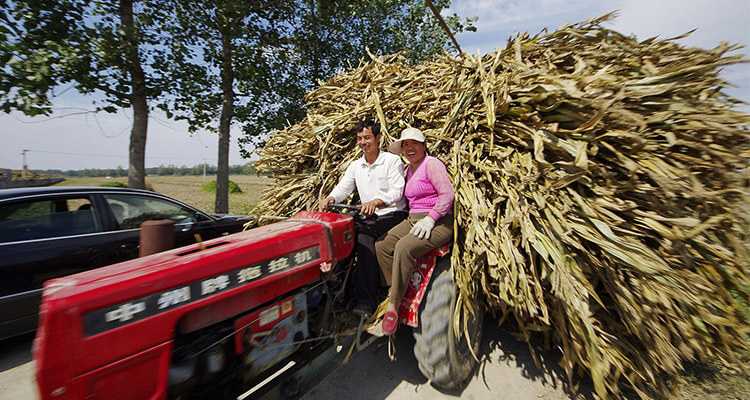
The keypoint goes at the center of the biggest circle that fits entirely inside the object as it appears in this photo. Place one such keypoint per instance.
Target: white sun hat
(408, 133)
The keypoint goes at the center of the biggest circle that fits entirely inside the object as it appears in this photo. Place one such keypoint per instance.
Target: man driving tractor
(378, 177)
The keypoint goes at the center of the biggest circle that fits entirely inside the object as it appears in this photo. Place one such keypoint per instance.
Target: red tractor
(249, 311)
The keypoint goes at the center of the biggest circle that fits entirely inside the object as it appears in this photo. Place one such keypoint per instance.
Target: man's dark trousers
(367, 276)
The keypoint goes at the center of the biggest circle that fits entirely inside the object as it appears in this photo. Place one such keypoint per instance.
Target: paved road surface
(506, 371)
(16, 369)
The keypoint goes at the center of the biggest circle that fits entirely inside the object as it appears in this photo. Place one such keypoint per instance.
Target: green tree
(327, 36)
(111, 48)
(28, 55)
(226, 58)
(331, 35)
(249, 62)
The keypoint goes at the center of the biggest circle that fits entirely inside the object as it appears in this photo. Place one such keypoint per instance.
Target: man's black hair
(368, 123)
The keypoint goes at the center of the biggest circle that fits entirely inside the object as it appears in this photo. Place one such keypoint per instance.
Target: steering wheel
(354, 211)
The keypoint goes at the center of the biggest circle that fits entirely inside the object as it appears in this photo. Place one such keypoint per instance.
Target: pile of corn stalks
(599, 189)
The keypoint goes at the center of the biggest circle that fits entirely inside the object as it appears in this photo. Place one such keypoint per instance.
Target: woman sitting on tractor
(428, 226)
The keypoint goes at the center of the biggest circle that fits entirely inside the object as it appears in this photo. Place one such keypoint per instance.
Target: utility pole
(23, 171)
(204, 169)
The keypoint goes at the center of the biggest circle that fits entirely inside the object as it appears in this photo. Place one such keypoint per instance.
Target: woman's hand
(423, 227)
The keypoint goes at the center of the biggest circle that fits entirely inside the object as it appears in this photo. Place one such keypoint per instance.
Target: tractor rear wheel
(443, 356)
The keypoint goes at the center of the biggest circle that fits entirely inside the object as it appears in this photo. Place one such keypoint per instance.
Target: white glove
(423, 227)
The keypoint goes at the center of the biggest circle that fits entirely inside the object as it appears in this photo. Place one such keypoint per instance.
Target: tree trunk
(227, 110)
(137, 168)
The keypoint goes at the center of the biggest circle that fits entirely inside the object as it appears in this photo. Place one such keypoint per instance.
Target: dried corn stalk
(598, 198)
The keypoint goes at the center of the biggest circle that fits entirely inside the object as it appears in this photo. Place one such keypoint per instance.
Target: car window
(47, 218)
(132, 210)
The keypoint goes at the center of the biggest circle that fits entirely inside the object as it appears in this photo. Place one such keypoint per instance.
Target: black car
(51, 232)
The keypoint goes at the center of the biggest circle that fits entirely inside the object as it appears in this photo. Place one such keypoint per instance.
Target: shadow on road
(370, 374)
(16, 351)
(500, 346)
(505, 363)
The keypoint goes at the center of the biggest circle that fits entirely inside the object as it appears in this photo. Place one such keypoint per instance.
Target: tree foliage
(224, 58)
(30, 56)
(249, 62)
(324, 37)
(332, 35)
(47, 44)
(103, 47)
(210, 63)
(196, 56)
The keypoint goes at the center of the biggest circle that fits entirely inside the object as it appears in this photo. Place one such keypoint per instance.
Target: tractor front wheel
(443, 355)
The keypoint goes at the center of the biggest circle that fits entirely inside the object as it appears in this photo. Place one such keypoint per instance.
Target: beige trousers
(398, 251)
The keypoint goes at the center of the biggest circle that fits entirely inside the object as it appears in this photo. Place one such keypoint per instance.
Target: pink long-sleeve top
(429, 189)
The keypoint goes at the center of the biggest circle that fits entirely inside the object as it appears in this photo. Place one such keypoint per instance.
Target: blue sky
(101, 140)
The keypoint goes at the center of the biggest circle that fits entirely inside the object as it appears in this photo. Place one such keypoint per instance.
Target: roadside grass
(188, 189)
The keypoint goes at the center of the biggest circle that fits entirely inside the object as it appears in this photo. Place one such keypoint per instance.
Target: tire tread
(433, 337)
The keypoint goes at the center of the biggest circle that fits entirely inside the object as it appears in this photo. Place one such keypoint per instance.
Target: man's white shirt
(383, 179)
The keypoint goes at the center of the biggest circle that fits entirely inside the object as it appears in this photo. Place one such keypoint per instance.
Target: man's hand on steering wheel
(370, 207)
(323, 204)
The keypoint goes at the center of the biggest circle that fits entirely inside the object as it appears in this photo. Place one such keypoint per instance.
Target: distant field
(188, 189)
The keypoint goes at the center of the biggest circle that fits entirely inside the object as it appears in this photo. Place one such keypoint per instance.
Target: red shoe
(390, 323)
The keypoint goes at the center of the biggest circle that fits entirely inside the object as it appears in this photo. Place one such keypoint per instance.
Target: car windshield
(131, 210)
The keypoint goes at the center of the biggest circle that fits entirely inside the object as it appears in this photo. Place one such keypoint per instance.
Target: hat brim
(406, 134)
(395, 147)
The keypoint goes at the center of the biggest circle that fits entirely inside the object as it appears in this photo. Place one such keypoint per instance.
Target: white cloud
(516, 14)
(499, 20)
(715, 21)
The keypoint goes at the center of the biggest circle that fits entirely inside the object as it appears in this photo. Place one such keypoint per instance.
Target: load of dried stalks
(599, 196)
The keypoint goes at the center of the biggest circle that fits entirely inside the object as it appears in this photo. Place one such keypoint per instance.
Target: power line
(85, 111)
(163, 123)
(103, 133)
